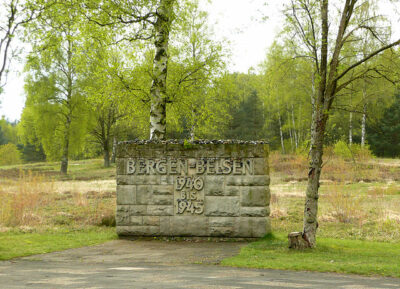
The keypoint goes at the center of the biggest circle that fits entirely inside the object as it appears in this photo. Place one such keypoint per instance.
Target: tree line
(102, 71)
(92, 76)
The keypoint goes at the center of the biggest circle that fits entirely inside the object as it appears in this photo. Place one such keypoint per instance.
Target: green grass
(331, 255)
(18, 244)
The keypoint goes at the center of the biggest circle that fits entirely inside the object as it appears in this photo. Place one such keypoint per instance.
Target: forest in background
(89, 77)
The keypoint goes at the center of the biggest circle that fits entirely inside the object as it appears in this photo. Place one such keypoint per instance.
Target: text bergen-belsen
(209, 166)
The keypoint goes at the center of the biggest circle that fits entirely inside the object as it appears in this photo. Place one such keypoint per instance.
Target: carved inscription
(190, 195)
(203, 166)
(189, 176)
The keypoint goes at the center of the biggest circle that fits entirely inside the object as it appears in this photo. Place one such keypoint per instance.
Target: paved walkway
(156, 264)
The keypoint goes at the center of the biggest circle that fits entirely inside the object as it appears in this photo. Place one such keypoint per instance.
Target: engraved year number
(193, 207)
(189, 183)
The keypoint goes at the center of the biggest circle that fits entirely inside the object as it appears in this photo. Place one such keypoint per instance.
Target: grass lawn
(18, 244)
(331, 255)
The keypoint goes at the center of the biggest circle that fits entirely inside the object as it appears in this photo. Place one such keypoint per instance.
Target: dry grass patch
(37, 201)
(291, 167)
(364, 211)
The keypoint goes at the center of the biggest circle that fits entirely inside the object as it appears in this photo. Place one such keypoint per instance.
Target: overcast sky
(239, 21)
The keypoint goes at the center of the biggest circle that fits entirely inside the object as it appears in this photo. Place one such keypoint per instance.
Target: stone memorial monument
(204, 188)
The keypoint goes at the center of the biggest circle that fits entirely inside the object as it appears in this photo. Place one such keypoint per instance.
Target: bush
(9, 155)
(352, 152)
(341, 149)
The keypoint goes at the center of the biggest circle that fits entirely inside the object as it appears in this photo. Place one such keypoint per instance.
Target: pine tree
(384, 136)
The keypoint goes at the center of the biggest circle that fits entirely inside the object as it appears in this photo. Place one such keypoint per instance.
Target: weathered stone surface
(261, 166)
(151, 220)
(143, 194)
(163, 189)
(136, 220)
(121, 167)
(256, 196)
(222, 206)
(189, 226)
(255, 227)
(165, 226)
(122, 215)
(126, 195)
(214, 186)
(160, 210)
(137, 210)
(138, 230)
(166, 180)
(222, 231)
(232, 191)
(205, 188)
(222, 221)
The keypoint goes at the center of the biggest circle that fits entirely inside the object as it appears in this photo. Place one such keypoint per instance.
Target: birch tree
(14, 14)
(316, 35)
(287, 92)
(148, 20)
(158, 114)
(196, 63)
(53, 80)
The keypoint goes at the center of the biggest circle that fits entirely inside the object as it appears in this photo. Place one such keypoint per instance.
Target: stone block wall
(214, 189)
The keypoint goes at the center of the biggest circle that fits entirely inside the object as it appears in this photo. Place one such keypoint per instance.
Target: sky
(240, 22)
(249, 38)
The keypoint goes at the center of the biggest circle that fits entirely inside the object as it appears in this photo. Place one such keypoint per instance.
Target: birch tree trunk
(313, 107)
(64, 158)
(310, 223)
(364, 116)
(363, 124)
(68, 120)
(160, 69)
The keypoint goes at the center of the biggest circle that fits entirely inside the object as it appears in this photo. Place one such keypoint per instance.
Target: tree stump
(296, 241)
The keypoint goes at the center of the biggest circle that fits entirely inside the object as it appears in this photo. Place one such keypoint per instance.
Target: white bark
(313, 108)
(310, 223)
(364, 116)
(65, 154)
(160, 69)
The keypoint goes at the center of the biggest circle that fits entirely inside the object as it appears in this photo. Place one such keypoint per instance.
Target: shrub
(341, 149)
(352, 152)
(9, 155)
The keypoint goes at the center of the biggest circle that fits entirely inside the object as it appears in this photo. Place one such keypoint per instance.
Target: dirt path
(159, 264)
